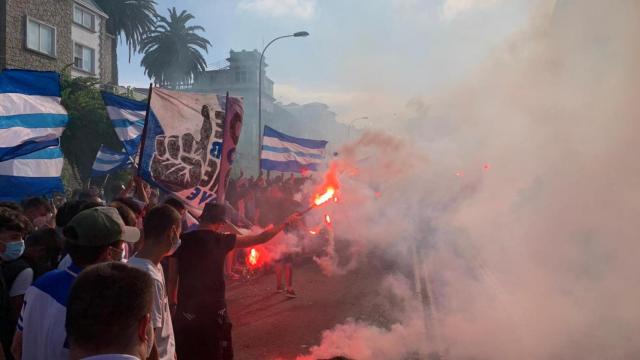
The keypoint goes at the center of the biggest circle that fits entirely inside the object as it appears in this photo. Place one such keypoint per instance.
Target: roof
(91, 5)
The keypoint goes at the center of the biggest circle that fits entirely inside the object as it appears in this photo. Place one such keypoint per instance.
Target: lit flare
(323, 198)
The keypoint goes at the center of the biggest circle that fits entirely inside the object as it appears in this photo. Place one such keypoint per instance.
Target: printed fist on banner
(179, 160)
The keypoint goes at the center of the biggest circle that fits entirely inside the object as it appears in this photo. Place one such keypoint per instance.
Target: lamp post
(351, 125)
(297, 34)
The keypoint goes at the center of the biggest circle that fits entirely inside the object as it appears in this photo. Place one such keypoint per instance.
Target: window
(84, 18)
(41, 37)
(84, 58)
(242, 76)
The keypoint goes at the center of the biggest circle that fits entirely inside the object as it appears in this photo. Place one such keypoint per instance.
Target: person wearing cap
(93, 236)
(201, 324)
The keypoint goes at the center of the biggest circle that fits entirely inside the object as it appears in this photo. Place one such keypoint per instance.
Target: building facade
(57, 34)
(240, 78)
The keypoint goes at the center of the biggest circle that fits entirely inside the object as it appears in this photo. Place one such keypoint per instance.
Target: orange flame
(313, 232)
(323, 198)
(253, 257)
(327, 219)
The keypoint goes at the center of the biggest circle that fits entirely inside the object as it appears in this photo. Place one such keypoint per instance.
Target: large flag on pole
(31, 116)
(232, 127)
(182, 145)
(34, 174)
(108, 161)
(282, 152)
(127, 116)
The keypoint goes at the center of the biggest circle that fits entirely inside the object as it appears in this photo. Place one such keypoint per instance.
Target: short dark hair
(11, 220)
(105, 306)
(67, 211)
(175, 203)
(132, 204)
(11, 205)
(36, 202)
(127, 215)
(85, 255)
(159, 221)
(213, 213)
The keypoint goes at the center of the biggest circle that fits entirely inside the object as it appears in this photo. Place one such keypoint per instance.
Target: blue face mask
(13, 250)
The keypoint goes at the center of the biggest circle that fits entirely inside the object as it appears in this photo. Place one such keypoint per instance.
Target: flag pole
(222, 182)
(105, 180)
(144, 129)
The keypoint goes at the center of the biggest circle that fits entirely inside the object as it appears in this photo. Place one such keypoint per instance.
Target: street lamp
(351, 125)
(296, 34)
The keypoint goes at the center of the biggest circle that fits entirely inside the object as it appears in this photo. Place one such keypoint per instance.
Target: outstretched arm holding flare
(245, 241)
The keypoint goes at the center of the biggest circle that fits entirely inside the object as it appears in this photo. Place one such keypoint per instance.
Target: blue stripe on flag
(17, 188)
(109, 162)
(286, 166)
(122, 102)
(283, 150)
(25, 148)
(102, 165)
(124, 123)
(34, 121)
(29, 82)
(50, 153)
(130, 145)
(308, 143)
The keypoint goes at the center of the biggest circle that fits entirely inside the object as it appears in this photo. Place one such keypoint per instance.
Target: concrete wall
(3, 33)
(56, 13)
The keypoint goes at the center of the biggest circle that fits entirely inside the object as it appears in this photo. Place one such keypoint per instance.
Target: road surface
(267, 325)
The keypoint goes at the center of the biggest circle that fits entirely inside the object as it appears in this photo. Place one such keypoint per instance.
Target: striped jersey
(43, 316)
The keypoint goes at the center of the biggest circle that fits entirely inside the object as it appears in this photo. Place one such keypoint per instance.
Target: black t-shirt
(201, 270)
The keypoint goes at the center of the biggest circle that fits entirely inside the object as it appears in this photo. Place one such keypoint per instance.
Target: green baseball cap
(100, 226)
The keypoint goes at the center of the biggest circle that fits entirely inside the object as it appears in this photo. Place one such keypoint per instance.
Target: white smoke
(535, 257)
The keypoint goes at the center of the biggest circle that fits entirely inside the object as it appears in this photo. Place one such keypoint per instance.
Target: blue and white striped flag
(127, 116)
(108, 161)
(282, 152)
(34, 174)
(31, 116)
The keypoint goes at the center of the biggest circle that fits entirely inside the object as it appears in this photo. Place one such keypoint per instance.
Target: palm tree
(128, 19)
(172, 50)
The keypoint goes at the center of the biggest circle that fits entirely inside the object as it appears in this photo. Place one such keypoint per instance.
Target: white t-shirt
(65, 262)
(160, 315)
(111, 357)
(21, 283)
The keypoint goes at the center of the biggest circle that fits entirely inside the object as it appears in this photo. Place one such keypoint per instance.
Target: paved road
(268, 325)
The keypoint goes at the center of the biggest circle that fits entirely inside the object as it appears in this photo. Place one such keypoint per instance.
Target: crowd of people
(130, 276)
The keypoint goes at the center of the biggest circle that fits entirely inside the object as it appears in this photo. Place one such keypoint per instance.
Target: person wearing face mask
(109, 314)
(93, 236)
(16, 274)
(161, 239)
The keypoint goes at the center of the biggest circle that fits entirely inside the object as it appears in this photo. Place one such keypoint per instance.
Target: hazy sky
(364, 52)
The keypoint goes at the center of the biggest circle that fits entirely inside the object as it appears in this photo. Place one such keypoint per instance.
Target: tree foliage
(172, 50)
(130, 19)
(88, 127)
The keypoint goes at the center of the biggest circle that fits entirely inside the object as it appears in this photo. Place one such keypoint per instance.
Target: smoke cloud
(514, 196)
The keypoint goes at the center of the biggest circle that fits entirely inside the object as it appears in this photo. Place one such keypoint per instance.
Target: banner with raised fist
(182, 145)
